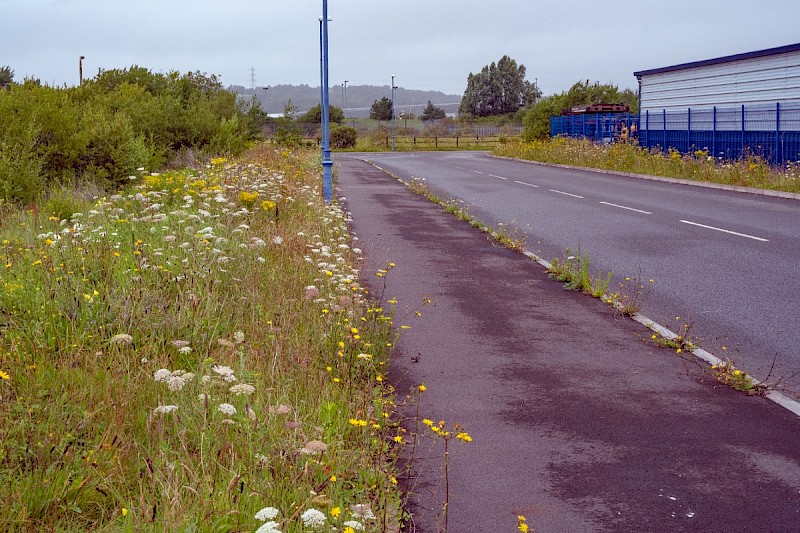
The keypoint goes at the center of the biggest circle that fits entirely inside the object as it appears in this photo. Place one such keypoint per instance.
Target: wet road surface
(577, 423)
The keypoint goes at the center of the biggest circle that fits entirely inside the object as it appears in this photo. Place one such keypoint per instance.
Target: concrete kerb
(703, 355)
(719, 186)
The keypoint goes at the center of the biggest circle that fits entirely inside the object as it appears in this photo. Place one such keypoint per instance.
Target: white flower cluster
(225, 372)
(175, 379)
(313, 518)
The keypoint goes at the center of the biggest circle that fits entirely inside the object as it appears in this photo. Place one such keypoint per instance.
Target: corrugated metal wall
(762, 80)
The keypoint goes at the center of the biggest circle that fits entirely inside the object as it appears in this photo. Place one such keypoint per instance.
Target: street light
(80, 69)
(327, 163)
(393, 88)
(344, 110)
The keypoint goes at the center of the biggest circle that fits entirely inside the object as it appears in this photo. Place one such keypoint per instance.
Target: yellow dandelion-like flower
(422, 388)
(427, 422)
(393, 480)
(333, 479)
(124, 512)
(678, 350)
(464, 436)
(4, 375)
(399, 440)
(336, 511)
(737, 372)
(348, 529)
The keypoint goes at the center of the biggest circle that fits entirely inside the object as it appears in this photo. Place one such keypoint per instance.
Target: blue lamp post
(327, 163)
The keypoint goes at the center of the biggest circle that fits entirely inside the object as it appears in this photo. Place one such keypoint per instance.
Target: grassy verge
(188, 352)
(624, 157)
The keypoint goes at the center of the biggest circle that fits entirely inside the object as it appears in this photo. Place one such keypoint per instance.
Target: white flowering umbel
(267, 513)
(226, 409)
(313, 518)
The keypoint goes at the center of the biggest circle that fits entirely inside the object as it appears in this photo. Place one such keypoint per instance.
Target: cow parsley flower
(355, 525)
(313, 518)
(267, 513)
(242, 389)
(165, 409)
(162, 374)
(226, 409)
(269, 527)
(238, 337)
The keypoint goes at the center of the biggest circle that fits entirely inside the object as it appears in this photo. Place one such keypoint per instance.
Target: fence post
(689, 130)
(436, 142)
(714, 133)
(665, 130)
(596, 127)
(741, 152)
(456, 141)
(415, 142)
(778, 160)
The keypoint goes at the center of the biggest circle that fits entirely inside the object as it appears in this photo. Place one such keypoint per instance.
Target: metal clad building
(762, 77)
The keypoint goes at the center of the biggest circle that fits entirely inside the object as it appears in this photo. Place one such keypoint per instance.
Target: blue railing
(769, 131)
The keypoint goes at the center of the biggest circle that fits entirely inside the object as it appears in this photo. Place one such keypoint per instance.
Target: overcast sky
(426, 44)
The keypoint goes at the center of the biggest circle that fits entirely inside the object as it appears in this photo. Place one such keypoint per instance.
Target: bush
(21, 180)
(343, 137)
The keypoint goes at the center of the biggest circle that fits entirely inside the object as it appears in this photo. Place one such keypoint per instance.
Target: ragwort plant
(194, 352)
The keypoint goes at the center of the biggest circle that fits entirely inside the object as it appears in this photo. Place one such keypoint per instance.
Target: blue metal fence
(769, 131)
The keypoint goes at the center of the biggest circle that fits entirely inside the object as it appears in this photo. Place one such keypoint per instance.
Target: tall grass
(189, 351)
(628, 157)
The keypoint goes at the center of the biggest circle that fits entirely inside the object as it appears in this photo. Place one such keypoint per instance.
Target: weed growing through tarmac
(574, 272)
(190, 354)
(631, 295)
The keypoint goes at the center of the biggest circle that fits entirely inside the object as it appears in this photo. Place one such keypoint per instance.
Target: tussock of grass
(187, 352)
(627, 157)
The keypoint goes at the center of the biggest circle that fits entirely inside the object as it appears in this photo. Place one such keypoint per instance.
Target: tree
(584, 92)
(314, 115)
(498, 89)
(432, 112)
(381, 109)
(6, 77)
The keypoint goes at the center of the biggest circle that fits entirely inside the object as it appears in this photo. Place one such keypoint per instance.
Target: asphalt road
(577, 423)
(725, 263)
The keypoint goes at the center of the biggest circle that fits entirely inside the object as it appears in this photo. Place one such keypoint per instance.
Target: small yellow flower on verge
(336, 511)
(124, 512)
(4, 375)
(422, 388)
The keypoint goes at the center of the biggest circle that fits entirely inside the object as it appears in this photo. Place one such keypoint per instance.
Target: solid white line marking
(725, 231)
(528, 184)
(628, 208)
(566, 193)
(498, 177)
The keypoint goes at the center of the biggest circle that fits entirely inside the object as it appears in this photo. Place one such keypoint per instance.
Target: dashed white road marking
(628, 208)
(477, 172)
(498, 177)
(566, 193)
(528, 184)
(725, 231)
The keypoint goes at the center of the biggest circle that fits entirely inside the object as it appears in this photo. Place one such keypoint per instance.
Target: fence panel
(769, 131)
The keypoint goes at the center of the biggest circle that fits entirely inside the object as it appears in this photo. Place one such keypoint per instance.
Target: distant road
(725, 262)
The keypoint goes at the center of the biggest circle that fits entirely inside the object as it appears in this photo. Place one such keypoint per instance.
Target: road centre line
(498, 177)
(628, 208)
(566, 193)
(528, 184)
(477, 172)
(725, 231)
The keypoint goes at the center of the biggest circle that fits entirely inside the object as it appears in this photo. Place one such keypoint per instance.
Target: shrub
(21, 180)
(343, 137)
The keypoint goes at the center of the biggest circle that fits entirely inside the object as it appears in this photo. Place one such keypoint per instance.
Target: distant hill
(359, 98)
